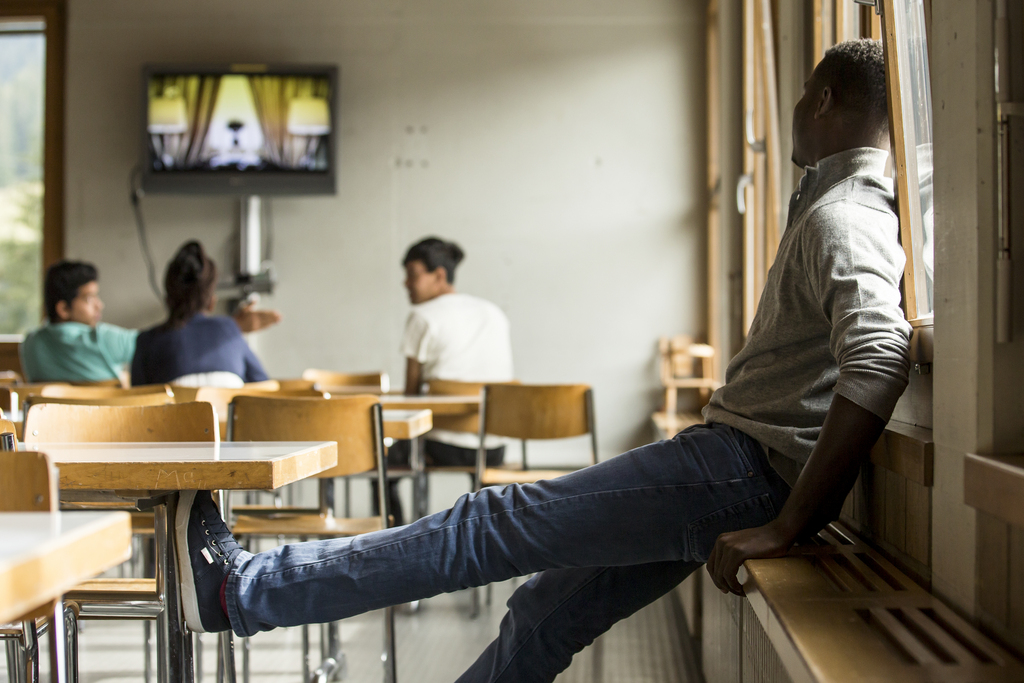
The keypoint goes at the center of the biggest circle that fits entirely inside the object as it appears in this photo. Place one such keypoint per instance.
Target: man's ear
(826, 102)
(63, 310)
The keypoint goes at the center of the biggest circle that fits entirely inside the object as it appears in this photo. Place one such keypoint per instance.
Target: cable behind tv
(135, 197)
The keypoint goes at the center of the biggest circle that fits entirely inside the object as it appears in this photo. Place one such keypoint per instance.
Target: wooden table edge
(111, 531)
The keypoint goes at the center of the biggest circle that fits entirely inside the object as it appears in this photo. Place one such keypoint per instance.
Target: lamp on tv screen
(240, 129)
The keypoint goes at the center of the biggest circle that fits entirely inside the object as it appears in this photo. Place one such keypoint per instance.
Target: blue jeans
(608, 540)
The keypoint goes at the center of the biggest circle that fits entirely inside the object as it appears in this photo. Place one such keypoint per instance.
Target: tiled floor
(434, 646)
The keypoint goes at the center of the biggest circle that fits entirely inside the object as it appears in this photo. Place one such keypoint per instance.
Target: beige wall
(561, 142)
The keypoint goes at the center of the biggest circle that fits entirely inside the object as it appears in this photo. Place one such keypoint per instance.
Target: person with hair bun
(193, 347)
(448, 335)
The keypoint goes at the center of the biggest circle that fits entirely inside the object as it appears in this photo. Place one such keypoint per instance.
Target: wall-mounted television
(240, 129)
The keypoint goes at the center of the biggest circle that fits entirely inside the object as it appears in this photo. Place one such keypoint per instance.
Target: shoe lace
(220, 535)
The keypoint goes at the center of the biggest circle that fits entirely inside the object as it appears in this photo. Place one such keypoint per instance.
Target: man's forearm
(846, 439)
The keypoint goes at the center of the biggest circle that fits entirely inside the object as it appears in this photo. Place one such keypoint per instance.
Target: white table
(45, 554)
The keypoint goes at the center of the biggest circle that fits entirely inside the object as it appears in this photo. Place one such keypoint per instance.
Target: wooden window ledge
(994, 484)
(836, 610)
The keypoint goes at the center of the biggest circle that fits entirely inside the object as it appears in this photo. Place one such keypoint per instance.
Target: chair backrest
(530, 411)
(70, 391)
(58, 423)
(28, 482)
(449, 387)
(220, 398)
(9, 399)
(10, 357)
(292, 384)
(325, 379)
(115, 400)
(352, 421)
(265, 385)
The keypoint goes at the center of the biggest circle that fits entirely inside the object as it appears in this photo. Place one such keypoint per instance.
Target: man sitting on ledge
(804, 401)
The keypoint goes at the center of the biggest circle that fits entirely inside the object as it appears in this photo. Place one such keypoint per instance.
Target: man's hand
(845, 442)
(249, 319)
(733, 548)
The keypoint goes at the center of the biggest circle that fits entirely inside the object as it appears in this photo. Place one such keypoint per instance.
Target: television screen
(243, 129)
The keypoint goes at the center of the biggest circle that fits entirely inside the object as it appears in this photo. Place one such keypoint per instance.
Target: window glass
(916, 96)
(22, 78)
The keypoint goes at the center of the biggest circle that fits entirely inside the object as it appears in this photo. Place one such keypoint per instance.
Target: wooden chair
(10, 357)
(355, 423)
(184, 394)
(153, 399)
(686, 365)
(221, 397)
(364, 382)
(102, 391)
(467, 424)
(531, 412)
(28, 483)
(63, 423)
(292, 384)
(10, 377)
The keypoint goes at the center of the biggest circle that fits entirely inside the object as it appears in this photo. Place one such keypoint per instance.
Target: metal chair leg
(226, 649)
(305, 652)
(30, 652)
(15, 661)
(147, 654)
(388, 656)
(474, 610)
(71, 641)
(245, 660)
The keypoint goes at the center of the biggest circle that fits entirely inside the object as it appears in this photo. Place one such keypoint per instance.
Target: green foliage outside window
(22, 73)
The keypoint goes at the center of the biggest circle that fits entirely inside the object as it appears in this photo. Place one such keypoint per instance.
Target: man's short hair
(62, 282)
(855, 71)
(435, 253)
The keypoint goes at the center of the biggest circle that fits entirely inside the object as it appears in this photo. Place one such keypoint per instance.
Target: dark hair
(436, 253)
(62, 282)
(855, 71)
(189, 283)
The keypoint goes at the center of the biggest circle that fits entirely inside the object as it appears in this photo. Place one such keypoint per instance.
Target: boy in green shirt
(75, 346)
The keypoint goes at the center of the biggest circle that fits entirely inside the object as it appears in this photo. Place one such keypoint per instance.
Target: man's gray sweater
(829, 318)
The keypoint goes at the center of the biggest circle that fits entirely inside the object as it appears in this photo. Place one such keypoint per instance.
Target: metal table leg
(225, 641)
(174, 657)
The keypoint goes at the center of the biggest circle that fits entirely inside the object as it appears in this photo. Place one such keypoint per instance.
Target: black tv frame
(240, 182)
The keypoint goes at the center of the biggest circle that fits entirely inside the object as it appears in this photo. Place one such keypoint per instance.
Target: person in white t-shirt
(452, 336)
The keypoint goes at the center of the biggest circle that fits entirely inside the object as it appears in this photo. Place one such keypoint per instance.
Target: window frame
(54, 14)
(760, 186)
(907, 198)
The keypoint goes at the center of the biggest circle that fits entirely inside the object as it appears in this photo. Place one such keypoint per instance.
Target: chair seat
(14, 630)
(113, 590)
(494, 476)
(287, 524)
